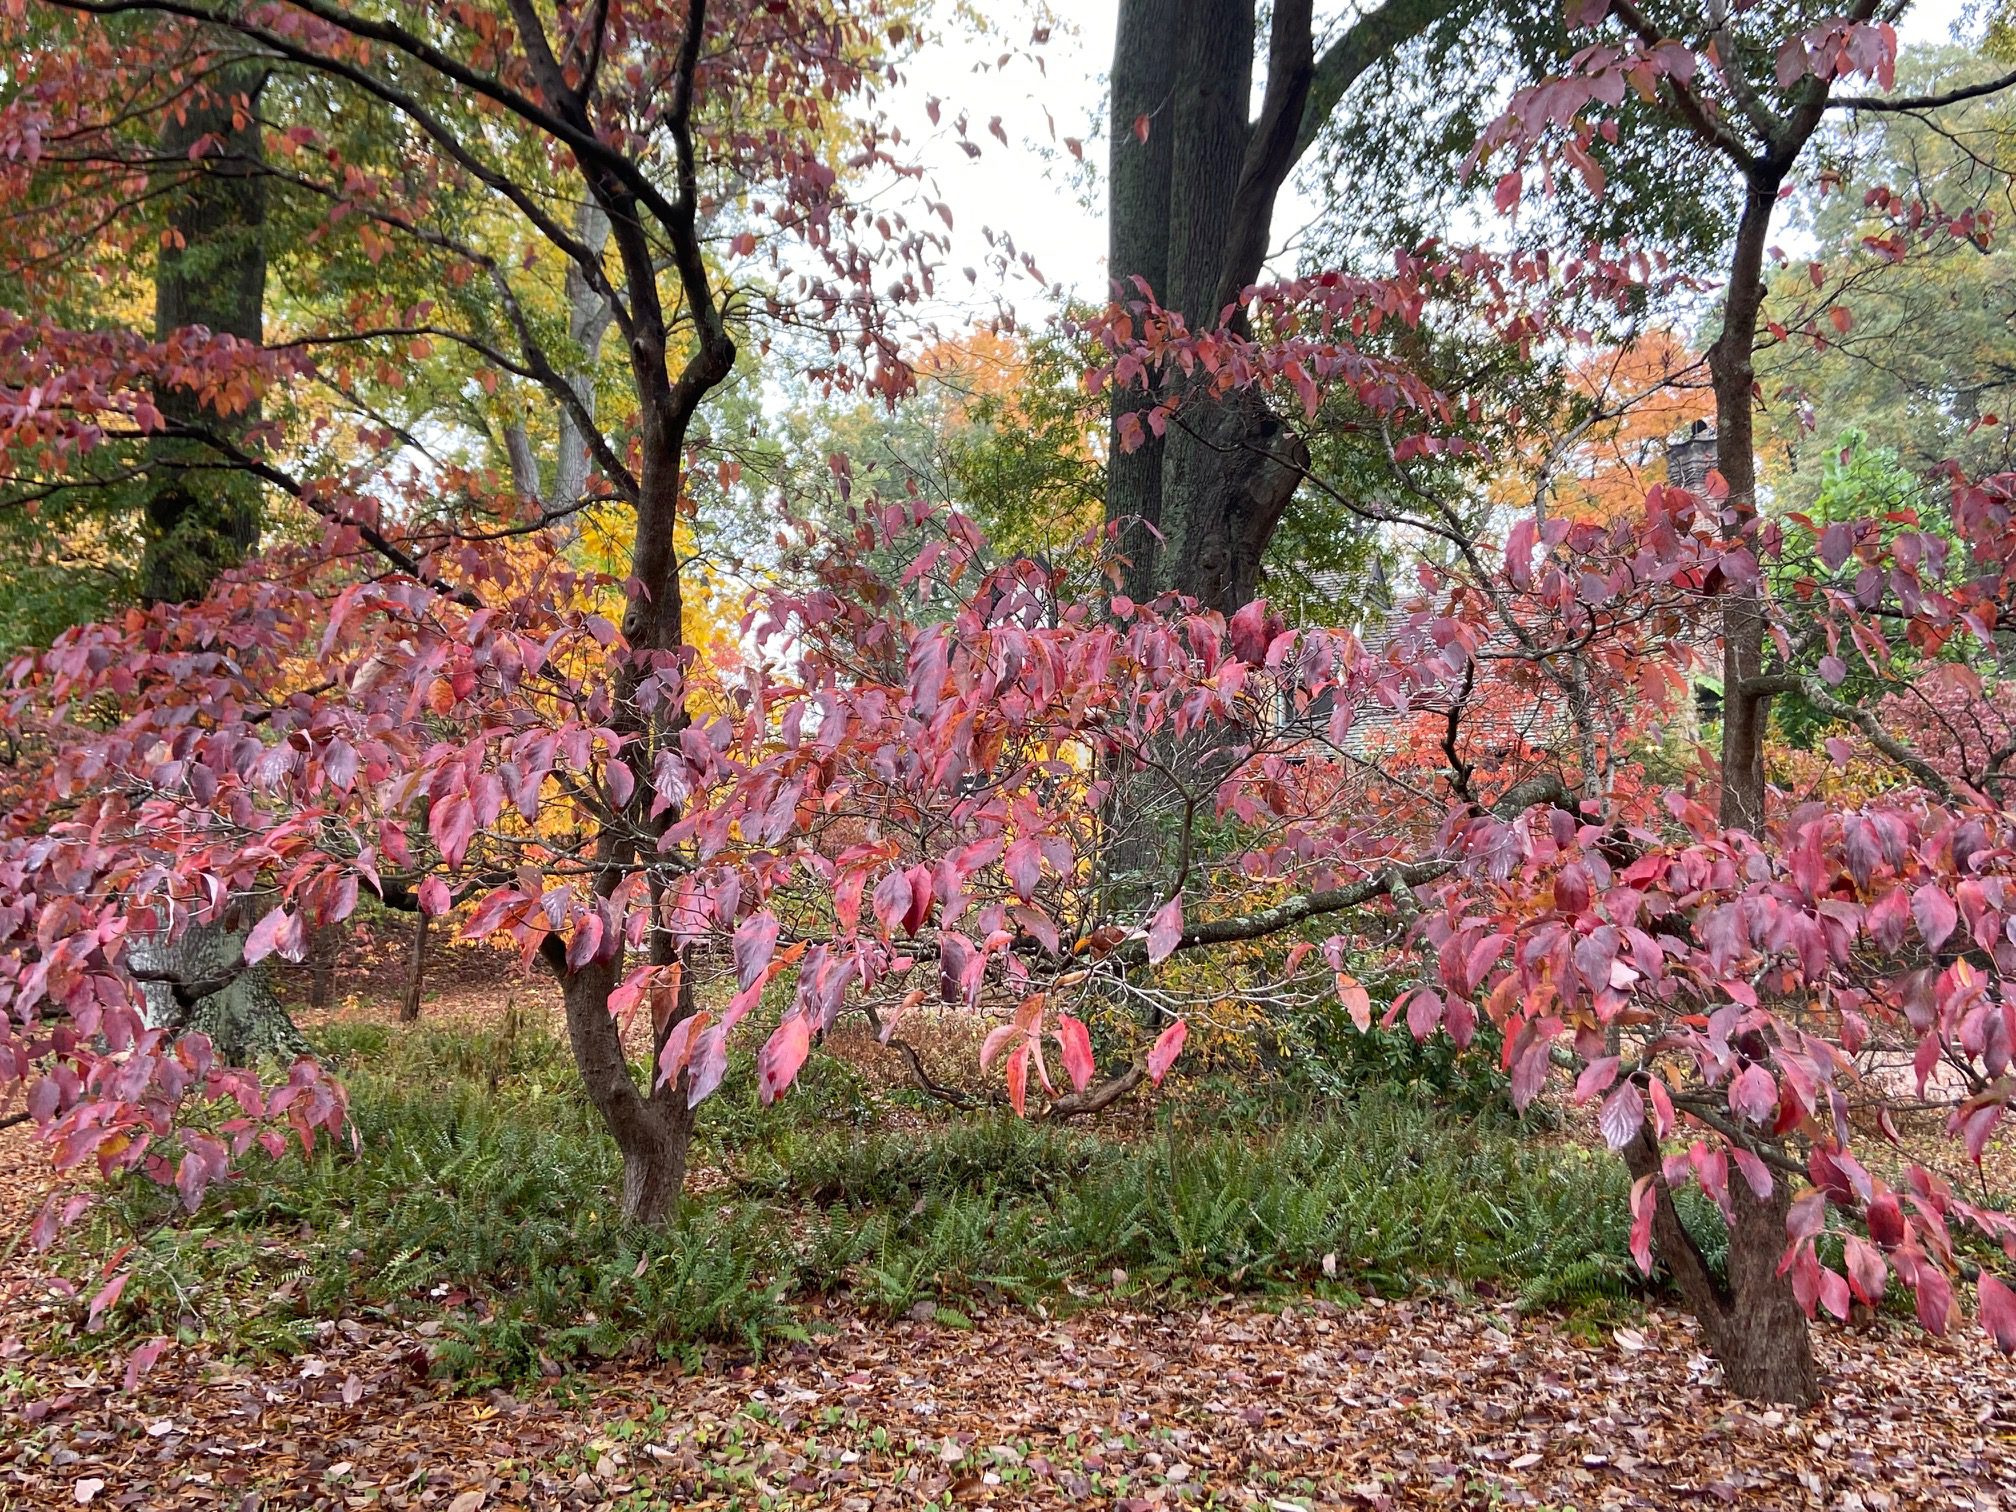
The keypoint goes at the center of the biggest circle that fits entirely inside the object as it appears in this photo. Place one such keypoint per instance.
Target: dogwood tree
(914, 777)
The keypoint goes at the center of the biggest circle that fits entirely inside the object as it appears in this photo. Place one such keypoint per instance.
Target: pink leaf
(998, 1040)
(1165, 930)
(1644, 1201)
(1621, 1116)
(265, 936)
(1595, 1076)
(1755, 1172)
(891, 900)
(1935, 914)
(678, 1047)
(782, 1054)
(1075, 1041)
(1168, 1045)
(1997, 1312)
(434, 898)
(1753, 1095)
(142, 1360)
(1024, 865)
(755, 942)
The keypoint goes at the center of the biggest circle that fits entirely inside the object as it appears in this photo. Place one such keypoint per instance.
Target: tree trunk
(416, 971)
(653, 1130)
(1750, 1321)
(1233, 467)
(211, 272)
(1138, 173)
(202, 521)
(1745, 718)
(324, 952)
(1189, 211)
(198, 983)
(1753, 1323)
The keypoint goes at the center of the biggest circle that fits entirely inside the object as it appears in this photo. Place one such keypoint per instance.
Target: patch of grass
(478, 1191)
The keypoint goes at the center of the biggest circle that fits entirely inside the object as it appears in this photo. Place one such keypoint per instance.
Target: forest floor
(1293, 1402)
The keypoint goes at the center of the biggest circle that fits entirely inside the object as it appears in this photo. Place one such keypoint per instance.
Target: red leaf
(1356, 1000)
(1168, 1045)
(1935, 914)
(1936, 1306)
(782, 1054)
(1997, 1312)
(1662, 1108)
(586, 944)
(107, 1298)
(1867, 1273)
(1075, 1041)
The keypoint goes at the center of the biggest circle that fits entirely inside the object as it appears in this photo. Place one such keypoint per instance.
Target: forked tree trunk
(1750, 1320)
(1191, 188)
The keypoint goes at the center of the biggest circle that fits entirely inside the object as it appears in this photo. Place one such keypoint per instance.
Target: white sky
(1029, 190)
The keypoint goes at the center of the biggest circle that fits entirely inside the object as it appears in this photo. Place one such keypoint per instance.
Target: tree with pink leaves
(1005, 786)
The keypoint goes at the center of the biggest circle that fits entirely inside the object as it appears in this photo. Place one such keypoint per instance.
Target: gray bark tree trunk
(589, 316)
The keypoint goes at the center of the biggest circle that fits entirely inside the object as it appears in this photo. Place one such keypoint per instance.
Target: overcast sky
(1029, 191)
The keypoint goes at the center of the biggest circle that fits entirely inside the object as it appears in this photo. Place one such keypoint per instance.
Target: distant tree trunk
(1745, 716)
(1189, 214)
(416, 971)
(202, 521)
(1137, 229)
(210, 272)
(589, 315)
(323, 955)
(198, 983)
